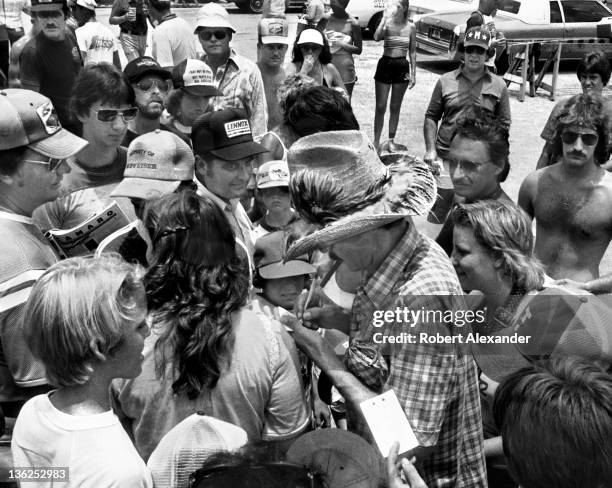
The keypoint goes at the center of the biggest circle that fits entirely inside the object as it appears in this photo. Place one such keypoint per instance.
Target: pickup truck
(582, 24)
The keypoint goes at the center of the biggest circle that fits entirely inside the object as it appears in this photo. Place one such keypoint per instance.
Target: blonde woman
(394, 73)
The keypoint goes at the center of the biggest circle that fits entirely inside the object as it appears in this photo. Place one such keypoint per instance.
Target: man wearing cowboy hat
(364, 210)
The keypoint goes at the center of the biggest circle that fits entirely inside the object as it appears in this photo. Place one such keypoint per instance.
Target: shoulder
(530, 183)
(244, 64)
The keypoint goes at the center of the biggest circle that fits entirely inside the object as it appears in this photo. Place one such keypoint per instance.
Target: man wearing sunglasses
(238, 78)
(151, 84)
(33, 147)
(103, 102)
(571, 201)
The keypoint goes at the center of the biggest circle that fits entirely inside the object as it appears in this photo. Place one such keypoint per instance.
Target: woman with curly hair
(207, 350)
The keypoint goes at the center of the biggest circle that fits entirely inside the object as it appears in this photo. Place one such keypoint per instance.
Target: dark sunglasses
(147, 85)
(51, 163)
(109, 115)
(466, 166)
(475, 50)
(570, 137)
(207, 35)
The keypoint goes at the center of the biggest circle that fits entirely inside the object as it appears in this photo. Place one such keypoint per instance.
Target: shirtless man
(572, 201)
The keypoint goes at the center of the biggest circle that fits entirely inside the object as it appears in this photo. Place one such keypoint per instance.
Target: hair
(480, 124)
(91, 14)
(587, 111)
(173, 102)
(78, 307)
(194, 285)
(325, 56)
(556, 424)
(595, 63)
(160, 6)
(102, 83)
(319, 109)
(395, 11)
(11, 160)
(505, 230)
(291, 87)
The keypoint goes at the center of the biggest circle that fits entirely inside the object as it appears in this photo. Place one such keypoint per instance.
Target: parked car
(256, 6)
(581, 23)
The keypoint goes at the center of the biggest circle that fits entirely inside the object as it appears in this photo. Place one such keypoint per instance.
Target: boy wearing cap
(238, 78)
(32, 153)
(150, 83)
(96, 41)
(273, 188)
(273, 40)
(131, 17)
(51, 61)
(173, 41)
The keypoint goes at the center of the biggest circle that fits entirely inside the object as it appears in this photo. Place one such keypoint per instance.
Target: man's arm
(527, 193)
(434, 113)
(28, 70)
(504, 108)
(257, 104)
(599, 286)
(118, 13)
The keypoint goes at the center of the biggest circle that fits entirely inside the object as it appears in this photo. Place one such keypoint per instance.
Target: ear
(81, 118)
(200, 164)
(95, 349)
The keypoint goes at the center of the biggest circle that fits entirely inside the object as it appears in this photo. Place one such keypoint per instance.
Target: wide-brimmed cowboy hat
(339, 183)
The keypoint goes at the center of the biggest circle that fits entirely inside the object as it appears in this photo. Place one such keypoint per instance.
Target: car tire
(373, 23)
(250, 6)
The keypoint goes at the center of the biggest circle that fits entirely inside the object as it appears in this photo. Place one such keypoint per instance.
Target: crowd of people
(207, 267)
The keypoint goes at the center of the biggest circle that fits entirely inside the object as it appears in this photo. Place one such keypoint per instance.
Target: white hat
(213, 15)
(310, 36)
(272, 174)
(273, 30)
(88, 4)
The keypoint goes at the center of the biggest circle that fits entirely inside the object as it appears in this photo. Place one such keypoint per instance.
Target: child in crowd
(273, 189)
(86, 321)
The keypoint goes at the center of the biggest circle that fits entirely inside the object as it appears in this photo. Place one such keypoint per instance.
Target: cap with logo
(273, 173)
(269, 251)
(225, 134)
(88, 4)
(195, 77)
(310, 36)
(157, 163)
(42, 5)
(477, 36)
(213, 15)
(28, 119)
(142, 66)
(273, 30)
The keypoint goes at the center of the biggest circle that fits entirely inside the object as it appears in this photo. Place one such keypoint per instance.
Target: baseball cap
(213, 15)
(268, 257)
(272, 174)
(310, 36)
(28, 118)
(557, 321)
(195, 77)
(88, 4)
(273, 30)
(477, 36)
(343, 457)
(42, 5)
(226, 134)
(187, 445)
(144, 65)
(157, 163)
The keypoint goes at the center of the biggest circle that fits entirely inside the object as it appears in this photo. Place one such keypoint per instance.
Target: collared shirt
(174, 41)
(239, 79)
(436, 384)
(10, 14)
(454, 93)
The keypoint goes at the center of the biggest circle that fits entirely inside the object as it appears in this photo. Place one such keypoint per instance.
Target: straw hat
(339, 183)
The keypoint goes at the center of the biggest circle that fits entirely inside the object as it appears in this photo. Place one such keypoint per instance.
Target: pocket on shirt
(490, 101)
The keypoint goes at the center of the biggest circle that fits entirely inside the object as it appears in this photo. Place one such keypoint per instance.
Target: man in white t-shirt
(96, 42)
(173, 39)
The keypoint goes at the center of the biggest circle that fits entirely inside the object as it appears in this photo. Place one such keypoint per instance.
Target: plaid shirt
(436, 384)
(239, 79)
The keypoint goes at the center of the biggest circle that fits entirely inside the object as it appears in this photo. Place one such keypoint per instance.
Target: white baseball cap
(213, 15)
(88, 4)
(310, 36)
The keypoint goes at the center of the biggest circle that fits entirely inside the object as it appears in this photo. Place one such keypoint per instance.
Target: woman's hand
(308, 64)
(402, 474)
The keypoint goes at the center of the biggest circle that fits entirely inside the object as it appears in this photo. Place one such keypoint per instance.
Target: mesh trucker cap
(28, 119)
(273, 30)
(185, 447)
(225, 134)
(88, 4)
(157, 163)
(195, 77)
(272, 174)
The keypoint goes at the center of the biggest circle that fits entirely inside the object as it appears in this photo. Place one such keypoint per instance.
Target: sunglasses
(52, 163)
(466, 166)
(475, 50)
(570, 137)
(310, 46)
(109, 115)
(147, 85)
(207, 35)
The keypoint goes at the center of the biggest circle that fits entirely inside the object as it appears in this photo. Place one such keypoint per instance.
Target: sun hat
(477, 36)
(195, 77)
(42, 5)
(346, 460)
(213, 15)
(339, 183)
(88, 4)
(144, 65)
(555, 321)
(273, 174)
(183, 450)
(273, 30)
(28, 118)
(310, 36)
(268, 256)
(225, 134)
(157, 163)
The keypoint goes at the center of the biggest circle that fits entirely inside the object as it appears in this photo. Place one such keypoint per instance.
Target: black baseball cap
(225, 134)
(144, 65)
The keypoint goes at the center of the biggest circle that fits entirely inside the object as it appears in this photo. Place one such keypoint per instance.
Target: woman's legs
(382, 95)
(397, 97)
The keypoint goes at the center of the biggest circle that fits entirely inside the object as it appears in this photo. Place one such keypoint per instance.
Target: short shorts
(392, 70)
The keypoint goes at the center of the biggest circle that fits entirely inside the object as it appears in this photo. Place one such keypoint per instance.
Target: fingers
(411, 474)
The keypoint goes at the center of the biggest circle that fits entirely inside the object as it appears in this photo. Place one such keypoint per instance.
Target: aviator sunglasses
(147, 85)
(570, 137)
(110, 114)
(207, 35)
(52, 163)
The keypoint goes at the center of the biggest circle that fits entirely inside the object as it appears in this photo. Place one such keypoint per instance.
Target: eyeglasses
(570, 137)
(147, 85)
(52, 163)
(475, 50)
(466, 166)
(207, 35)
(109, 114)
